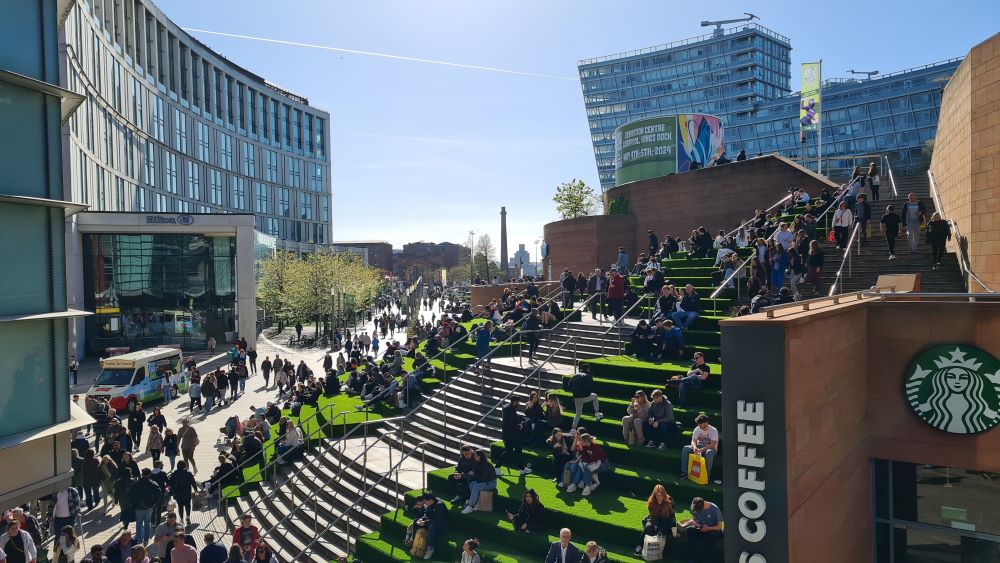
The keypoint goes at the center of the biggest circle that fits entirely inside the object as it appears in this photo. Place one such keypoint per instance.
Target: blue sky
(430, 152)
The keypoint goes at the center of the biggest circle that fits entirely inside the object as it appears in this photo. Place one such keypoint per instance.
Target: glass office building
(148, 290)
(170, 126)
(743, 76)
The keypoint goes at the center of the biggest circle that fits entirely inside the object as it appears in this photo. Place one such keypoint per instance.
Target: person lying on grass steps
(593, 460)
(662, 518)
(529, 518)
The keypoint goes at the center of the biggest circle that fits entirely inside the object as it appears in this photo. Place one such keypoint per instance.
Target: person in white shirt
(742, 238)
(704, 442)
(18, 541)
(803, 198)
(784, 236)
(843, 220)
(724, 251)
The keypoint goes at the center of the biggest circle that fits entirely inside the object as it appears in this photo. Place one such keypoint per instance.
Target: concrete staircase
(873, 259)
(329, 480)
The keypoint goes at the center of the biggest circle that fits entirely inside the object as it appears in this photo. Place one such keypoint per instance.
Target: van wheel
(131, 404)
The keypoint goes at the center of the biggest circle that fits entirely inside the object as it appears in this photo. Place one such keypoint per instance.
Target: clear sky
(429, 152)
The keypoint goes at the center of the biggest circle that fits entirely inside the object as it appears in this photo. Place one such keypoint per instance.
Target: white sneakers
(469, 509)
(526, 470)
(892, 257)
(429, 553)
(599, 416)
(571, 487)
(499, 472)
(586, 490)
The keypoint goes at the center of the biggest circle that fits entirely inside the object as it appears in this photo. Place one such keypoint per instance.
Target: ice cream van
(137, 376)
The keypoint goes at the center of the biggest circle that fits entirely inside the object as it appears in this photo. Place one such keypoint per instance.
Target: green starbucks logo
(955, 388)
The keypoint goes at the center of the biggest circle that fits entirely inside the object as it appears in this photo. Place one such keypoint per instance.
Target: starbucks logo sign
(955, 388)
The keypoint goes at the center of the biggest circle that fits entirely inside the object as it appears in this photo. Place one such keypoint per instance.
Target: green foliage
(300, 288)
(618, 206)
(575, 199)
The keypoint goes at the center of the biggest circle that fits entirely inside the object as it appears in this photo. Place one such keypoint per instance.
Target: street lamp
(472, 256)
(537, 261)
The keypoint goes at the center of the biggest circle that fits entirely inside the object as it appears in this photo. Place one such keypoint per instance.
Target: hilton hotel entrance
(864, 428)
(162, 279)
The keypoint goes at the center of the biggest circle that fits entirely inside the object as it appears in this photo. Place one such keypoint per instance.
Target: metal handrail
(846, 258)
(412, 453)
(964, 263)
(556, 326)
(276, 459)
(748, 221)
(892, 179)
(620, 319)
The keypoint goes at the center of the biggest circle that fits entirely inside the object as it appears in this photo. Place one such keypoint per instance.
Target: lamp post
(537, 261)
(472, 257)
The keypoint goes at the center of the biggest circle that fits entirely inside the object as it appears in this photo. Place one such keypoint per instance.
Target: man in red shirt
(616, 293)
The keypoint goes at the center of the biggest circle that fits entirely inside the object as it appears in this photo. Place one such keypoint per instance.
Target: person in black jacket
(938, 234)
(641, 335)
(182, 487)
(690, 309)
(597, 285)
(529, 332)
(144, 494)
(582, 387)
(463, 473)
(136, 420)
(433, 517)
(512, 432)
(654, 243)
(568, 283)
(529, 517)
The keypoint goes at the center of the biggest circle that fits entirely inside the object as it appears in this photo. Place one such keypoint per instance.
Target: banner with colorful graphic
(699, 139)
(809, 104)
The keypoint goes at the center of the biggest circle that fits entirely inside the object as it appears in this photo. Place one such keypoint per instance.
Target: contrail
(383, 55)
(459, 141)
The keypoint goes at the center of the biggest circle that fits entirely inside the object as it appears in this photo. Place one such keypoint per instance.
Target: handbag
(485, 501)
(652, 548)
(419, 546)
(697, 469)
(831, 236)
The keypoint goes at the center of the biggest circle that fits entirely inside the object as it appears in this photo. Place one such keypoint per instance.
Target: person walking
(136, 420)
(182, 487)
(265, 370)
(211, 346)
(873, 181)
(252, 360)
(938, 235)
(170, 446)
(862, 214)
(208, 391)
(188, 439)
(194, 396)
(913, 214)
(74, 369)
(843, 219)
(889, 225)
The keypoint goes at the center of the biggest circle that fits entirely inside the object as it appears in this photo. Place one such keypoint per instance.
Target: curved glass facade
(743, 76)
(169, 126)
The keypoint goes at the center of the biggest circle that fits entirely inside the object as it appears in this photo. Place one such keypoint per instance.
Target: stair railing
(579, 308)
(892, 179)
(619, 323)
(751, 220)
(964, 262)
(421, 448)
(846, 259)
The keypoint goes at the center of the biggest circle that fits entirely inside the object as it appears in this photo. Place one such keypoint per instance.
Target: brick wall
(584, 243)
(966, 161)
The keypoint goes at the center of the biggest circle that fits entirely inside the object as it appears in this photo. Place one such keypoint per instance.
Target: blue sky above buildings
(429, 152)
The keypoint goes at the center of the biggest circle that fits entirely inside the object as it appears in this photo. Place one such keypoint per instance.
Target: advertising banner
(699, 139)
(645, 148)
(809, 104)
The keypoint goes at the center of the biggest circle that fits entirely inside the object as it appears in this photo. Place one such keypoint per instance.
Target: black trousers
(890, 239)
(513, 450)
(937, 250)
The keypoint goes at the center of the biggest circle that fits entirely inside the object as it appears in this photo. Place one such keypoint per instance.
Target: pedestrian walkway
(103, 527)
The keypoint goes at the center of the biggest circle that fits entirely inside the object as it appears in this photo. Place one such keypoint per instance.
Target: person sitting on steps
(529, 518)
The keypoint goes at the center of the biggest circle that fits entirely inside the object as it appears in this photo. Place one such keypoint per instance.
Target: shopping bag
(419, 546)
(652, 548)
(697, 469)
(831, 236)
(485, 501)
(198, 500)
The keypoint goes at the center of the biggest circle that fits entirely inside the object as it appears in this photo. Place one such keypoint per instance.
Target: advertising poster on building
(646, 148)
(809, 104)
(699, 139)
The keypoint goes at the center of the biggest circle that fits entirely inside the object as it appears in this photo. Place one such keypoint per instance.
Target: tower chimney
(504, 271)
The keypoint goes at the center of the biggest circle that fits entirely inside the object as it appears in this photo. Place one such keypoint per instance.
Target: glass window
(260, 197)
(149, 170)
(270, 165)
(203, 144)
(193, 190)
(239, 193)
(170, 167)
(158, 289)
(215, 187)
(284, 208)
(316, 178)
(225, 151)
(248, 160)
(294, 172)
(180, 131)
(305, 206)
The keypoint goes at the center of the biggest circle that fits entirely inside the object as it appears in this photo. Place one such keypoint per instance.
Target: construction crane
(869, 73)
(718, 24)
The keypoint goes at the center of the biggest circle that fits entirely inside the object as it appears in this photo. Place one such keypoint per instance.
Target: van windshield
(117, 377)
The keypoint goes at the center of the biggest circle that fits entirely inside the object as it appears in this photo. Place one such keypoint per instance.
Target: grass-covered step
(685, 261)
(613, 520)
(704, 399)
(372, 548)
(494, 533)
(696, 338)
(615, 408)
(635, 470)
(700, 277)
(609, 429)
(631, 369)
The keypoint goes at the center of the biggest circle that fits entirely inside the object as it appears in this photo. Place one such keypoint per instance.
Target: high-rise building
(743, 76)
(36, 414)
(520, 262)
(170, 126)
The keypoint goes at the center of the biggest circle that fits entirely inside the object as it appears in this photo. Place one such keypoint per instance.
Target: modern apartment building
(170, 126)
(743, 76)
(36, 414)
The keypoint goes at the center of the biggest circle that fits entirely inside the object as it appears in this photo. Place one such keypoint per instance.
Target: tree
(272, 284)
(575, 199)
(484, 262)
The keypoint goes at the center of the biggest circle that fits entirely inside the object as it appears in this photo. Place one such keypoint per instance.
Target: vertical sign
(809, 104)
(754, 445)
